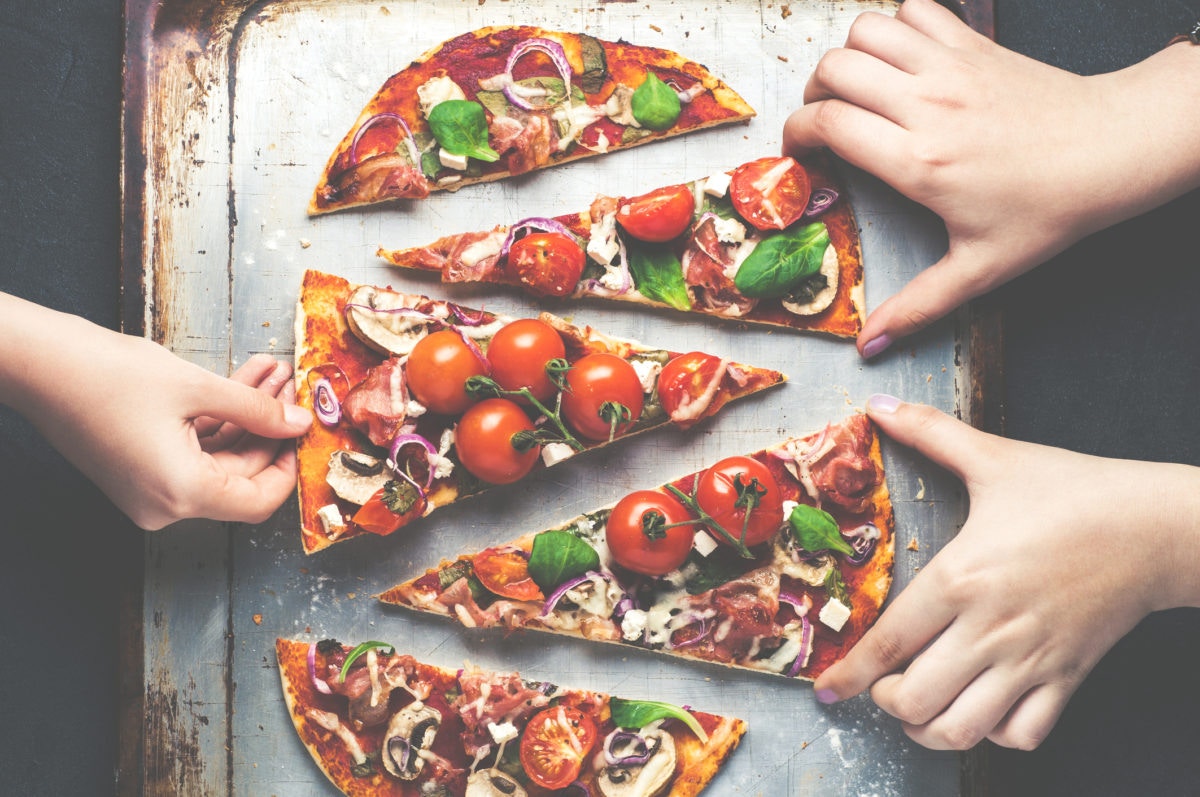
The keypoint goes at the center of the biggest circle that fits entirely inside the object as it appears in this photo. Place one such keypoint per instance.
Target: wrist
(1174, 494)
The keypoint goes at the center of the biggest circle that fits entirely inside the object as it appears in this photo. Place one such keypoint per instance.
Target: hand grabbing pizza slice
(777, 561)
(422, 402)
(506, 100)
(381, 723)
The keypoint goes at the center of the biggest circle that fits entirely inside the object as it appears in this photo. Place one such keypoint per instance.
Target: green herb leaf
(399, 496)
(836, 587)
(816, 530)
(460, 126)
(595, 64)
(658, 274)
(558, 556)
(782, 260)
(353, 655)
(655, 104)
(637, 714)
(704, 573)
(463, 569)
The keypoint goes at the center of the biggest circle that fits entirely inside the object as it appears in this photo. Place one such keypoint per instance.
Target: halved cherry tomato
(599, 385)
(438, 366)
(737, 487)
(379, 515)
(770, 193)
(519, 352)
(636, 537)
(660, 215)
(547, 263)
(555, 744)
(683, 381)
(505, 571)
(483, 439)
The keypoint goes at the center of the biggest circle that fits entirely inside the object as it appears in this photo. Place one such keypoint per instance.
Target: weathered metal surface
(242, 105)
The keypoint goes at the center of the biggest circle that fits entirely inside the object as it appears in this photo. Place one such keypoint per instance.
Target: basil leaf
(460, 126)
(816, 530)
(558, 556)
(353, 655)
(781, 261)
(835, 586)
(704, 573)
(637, 714)
(595, 64)
(655, 104)
(658, 274)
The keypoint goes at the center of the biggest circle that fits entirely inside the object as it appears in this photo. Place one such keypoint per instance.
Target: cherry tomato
(437, 369)
(549, 754)
(684, 380)
(518, 355)
(770, 193)
(547, 263)
(730, 482)
(633, 541)
(483, 438)
(505, 571)
(596, 383)
(660, 215)
(389, 508)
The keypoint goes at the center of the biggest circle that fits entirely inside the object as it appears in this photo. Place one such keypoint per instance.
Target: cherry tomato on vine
(658, 216)
(555, 744)
(684, 381)
(547, 263)
(599, 385)
(438, 366)
(636, 537)
(505, 571)
(737, 487)
(483, 439)
(770, 193)
(518, 354)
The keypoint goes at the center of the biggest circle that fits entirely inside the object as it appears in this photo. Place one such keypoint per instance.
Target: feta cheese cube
(704, 543)
(331, 520)
(834, 614)
(633, 625)
(504, 732)
(452, 161)
(717, 185)
(553, 453)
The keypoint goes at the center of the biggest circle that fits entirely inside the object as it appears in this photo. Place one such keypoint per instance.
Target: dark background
(1100, 356)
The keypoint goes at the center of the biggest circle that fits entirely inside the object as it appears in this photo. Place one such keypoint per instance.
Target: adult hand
(1061, 555)
(1018, 158)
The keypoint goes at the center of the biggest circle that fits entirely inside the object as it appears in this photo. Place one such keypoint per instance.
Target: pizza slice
(506, 100)
(773, 242)
(381, 723)
(422, 402)
(777, 561)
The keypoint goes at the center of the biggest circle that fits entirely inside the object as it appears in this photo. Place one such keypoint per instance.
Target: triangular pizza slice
(772, 242)
(421, 402)
(381, 723)
(777, 561)
(506, 100)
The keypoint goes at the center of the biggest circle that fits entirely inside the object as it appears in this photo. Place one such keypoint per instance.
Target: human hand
(1018, 158)
(1061, 555)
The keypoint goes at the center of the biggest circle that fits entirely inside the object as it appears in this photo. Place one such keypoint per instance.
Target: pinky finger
(1031, 719)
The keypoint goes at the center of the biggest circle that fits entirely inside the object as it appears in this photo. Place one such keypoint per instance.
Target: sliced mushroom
(642, 780)
(355, 476)
(824, 297)
(385, 320)
(411, 730)
(493, 783)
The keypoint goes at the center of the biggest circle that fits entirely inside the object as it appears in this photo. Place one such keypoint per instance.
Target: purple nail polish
(877, 345)
(826, 696)
(882, 402)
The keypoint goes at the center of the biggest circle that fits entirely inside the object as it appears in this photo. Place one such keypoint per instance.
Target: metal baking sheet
(232, 111)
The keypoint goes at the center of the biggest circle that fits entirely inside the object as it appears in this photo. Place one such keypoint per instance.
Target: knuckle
(887, 649)
(863, 28)
(909, 707)
(1020, 738)
(955, 735)
(828, 116)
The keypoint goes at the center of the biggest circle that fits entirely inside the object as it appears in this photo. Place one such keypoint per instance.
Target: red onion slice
(326, 404)
(405, 311)
(317, 683)
(463, 317)
(806, 647)
(568, 585)
(862, 540)
(819, 202)
(550, 48)
(352, 154)
(431, 454)
(801, 603)
(534, 223)
(626, 748)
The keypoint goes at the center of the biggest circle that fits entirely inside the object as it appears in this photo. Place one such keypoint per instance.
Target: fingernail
(826, 696)
(882, 402)
(877, 345)
(296, 416)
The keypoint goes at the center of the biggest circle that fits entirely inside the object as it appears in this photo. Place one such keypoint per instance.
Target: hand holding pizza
(1018, 158)
(163, 438)
(1055, 563)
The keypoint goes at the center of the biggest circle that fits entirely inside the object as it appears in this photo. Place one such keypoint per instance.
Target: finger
(251, 409)
(946, 441)
(251, 499)
(274, 384)
(937, 22)
(252, 373)
(860, 79)
(934, 679)
(856, 135)
(893, 41)
(1029, 722)
(973, 714)
(915, 617)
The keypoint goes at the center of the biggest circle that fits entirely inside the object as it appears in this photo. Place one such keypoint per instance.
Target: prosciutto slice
(378, 406)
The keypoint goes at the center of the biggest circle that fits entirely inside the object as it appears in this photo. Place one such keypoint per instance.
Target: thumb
(944, 440)
(253, 410)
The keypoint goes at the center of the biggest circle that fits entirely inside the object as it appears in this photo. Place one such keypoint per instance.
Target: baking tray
(231, 109)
